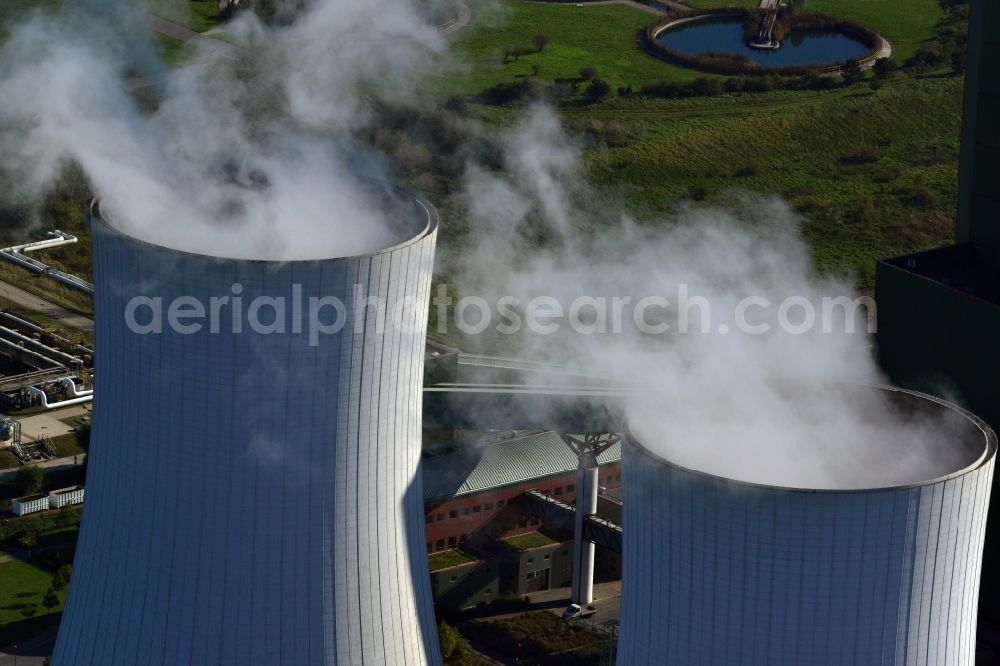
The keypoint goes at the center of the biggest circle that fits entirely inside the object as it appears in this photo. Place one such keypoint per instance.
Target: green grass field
(905, 23)
(871, 178)
(529, 541)
(449, 558)
(199, 15)
(23, 585)
(600, 36)
(12, 11)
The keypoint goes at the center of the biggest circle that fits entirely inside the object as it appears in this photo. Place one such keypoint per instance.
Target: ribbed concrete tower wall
(723, 572)
(253, 499)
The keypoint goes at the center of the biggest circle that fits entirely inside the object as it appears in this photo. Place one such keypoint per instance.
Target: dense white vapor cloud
(247, 152)
(784, 406)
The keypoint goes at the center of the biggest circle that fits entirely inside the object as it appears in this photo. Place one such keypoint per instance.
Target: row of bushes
(950, 41)
(707, 87)
(724, 63)
(532, 88)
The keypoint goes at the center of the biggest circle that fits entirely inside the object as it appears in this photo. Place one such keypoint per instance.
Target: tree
(852, 70)
(50, 600)
(449, 638)
(541, 41)
(884, 67)
(597, 90)
(30, 479)
(455, 649)
(28, 540)
(535, 69)
(587, 73)
(60, 579)
(958, 60)
(29, 612)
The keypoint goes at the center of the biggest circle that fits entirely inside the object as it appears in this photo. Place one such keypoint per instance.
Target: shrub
(587, 73)
(541, 41)
(852, 70)
(922, 195)
(30, 479)
(597, 90)
(456, 104)
(865, 155)
(508, 92)
(884, 68)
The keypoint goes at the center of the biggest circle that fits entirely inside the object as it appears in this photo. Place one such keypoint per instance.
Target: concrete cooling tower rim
(972, 429)
(425, 215)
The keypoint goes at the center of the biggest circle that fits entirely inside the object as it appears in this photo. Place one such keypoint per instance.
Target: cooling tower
(718, 571)
(253, 494)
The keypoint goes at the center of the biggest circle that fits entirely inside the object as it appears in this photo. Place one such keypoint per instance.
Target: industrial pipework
(17, 254)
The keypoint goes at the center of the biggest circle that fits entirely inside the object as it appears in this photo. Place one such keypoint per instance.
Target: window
(558, 490)
(440, 516)
(531, 560)
(565, 553)
(453, 514)
(428, 518)
(547, 557)
(477, 509)
(530, 575)
(488, 591)
(499, 503)
(461, 539)
(488, 506)
(465, 511)
(439, 544)
(454, 578)
(452, 541)
(570, 488)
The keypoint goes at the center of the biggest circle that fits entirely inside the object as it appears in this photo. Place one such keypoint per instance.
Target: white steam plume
(246, 156)
(769, 408)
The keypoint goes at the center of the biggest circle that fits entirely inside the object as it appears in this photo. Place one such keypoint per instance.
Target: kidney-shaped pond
(802, 47)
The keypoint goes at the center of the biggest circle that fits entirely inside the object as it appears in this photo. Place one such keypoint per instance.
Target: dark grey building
(939, 311)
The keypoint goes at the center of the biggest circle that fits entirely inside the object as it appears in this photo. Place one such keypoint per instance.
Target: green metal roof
(502, 463)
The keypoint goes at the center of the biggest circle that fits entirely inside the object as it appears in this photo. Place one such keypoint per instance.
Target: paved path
(463, 20)
(52, 422)
(186, 34)
(38, 304)
(884, 49)
(628, 3)
(31, 652)
(54, 465)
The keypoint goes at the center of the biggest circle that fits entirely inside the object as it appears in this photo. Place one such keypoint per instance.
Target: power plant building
(718, 571)
(254, 496)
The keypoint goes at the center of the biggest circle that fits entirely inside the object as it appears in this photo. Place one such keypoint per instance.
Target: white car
(573, 610)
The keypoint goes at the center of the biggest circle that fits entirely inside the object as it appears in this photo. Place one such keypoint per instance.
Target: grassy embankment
(871, 177)
(599, 36)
